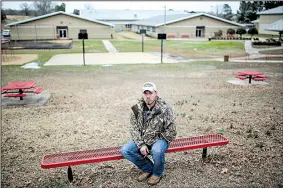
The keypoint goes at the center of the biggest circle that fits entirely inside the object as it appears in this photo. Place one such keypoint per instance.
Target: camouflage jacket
(159, 124)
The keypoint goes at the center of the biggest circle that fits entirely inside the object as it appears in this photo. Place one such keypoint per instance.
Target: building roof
(276, 26)
(159, 20)
(277, 10)
(130, 15)
(54, 14)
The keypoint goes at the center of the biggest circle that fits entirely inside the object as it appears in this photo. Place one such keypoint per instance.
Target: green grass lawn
(190, 49)
(11, 72)
(91, 46)
(279, 52)
(155, 45)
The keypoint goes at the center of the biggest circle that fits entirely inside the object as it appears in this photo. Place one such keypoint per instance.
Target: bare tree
(43, 7)
(25, 8)
(88, 6)
(219, 10)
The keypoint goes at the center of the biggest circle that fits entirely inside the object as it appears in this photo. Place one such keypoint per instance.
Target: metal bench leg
(204, 153)
(70, 174)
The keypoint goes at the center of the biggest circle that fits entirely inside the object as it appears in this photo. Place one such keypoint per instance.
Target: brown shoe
(143, 176)
(153, 180)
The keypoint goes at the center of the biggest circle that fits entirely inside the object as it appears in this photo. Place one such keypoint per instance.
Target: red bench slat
(3, 91)
(259, 79)
(241, 77)
(15, 95)
(113, 153)
(38, 90)
(261, 76)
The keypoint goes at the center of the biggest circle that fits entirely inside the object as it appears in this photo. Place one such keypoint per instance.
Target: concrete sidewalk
(108, 58)
(108, 45)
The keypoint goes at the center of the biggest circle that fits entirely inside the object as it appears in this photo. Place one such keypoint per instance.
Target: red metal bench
(38, 90)
(113, 153)
(3, 91)
(15, 95)
(171, 36)
(185, 36)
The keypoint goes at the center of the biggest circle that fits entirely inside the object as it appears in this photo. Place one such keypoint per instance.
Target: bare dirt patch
(18, 59)
(89, 108)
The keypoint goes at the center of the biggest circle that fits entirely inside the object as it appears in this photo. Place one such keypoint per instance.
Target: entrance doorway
(62, 32)
(200, 31)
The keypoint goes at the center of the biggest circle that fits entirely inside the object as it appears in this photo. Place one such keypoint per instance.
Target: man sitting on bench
(152, 129)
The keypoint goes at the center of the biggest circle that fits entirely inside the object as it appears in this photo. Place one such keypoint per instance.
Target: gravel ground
(90, 109)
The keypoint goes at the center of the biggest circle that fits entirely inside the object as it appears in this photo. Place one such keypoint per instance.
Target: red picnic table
(19, 89)
(252, 75)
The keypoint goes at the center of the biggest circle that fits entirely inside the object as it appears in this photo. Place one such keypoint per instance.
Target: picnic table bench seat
(241, 77)
(15, 95)
(38, 90)
(259, 79)
(113, 153)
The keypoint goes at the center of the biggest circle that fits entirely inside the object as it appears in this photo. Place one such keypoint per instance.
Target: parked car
(6, 33)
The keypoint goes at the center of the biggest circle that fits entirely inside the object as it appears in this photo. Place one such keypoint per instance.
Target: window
(148, 28)
(83, 31)
(154, 29)
(138, 27)
(128, 26)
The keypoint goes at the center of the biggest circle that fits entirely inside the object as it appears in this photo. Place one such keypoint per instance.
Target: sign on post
(83, 35)
(161, 36)
(142, 32)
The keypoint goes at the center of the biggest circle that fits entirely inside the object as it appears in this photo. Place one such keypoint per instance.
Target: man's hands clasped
(144, 150)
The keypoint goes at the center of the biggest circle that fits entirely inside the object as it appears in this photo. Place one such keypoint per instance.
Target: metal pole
(161, 50)
(54, 34)
(164, 18)
(84, 50)
(17, 33)
(35, 32)
(164, 24)
(204, 153)
(142, 42)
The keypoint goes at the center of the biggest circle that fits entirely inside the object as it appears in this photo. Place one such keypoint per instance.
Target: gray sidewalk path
(109, 46)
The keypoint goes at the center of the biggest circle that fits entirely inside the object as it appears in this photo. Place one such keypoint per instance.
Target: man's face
(149, 97)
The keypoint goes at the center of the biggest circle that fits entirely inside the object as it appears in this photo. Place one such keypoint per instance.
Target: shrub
(260, 43)
(240, 31)
(252, 31)
(218, 34)
(231, 31)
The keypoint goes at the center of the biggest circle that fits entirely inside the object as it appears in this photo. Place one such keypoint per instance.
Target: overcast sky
(206, 6)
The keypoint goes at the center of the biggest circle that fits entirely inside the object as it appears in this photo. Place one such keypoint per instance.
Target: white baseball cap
(148, 86)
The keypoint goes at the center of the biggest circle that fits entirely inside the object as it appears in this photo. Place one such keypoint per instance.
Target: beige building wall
(46, 28)
(265, 21)
(188, 27)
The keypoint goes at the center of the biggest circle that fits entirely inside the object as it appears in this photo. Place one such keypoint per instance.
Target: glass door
(198, 32)
(63, 33)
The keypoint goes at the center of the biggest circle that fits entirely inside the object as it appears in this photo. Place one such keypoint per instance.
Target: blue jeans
(131, 152)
